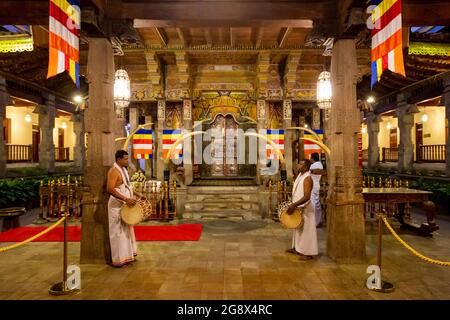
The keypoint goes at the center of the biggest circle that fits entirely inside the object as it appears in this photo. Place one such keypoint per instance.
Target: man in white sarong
(121, 235)
(304, 240)
(316, 170)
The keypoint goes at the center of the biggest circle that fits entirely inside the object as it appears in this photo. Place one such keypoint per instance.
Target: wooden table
(398, 200)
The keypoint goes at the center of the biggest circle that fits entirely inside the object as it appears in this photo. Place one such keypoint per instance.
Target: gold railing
(162, 196)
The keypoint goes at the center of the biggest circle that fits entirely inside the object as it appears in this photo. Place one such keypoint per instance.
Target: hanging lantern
(324, 90)
(122, 92)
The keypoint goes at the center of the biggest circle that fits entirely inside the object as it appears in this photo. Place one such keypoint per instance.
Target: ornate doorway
(223, 151)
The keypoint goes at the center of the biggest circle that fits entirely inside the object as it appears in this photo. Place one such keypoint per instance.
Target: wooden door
(419, 141)
(224, 152)
(393, 138)
(36, 140)
(61, 144)
(7, 130)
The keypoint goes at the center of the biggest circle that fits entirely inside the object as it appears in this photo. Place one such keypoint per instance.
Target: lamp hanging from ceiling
(122, 92)
(324, 92)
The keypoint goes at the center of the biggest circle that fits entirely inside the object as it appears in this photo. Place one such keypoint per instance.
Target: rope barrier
(3, 249)
(421, 256)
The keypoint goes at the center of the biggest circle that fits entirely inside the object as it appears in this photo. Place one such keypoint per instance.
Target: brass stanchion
(270, 199)
(166, 199)
(61, 288)
(386, 287)
(174, 198)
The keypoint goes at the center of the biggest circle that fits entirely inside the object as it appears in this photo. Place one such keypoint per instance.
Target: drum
(132, 215)
(290, 221)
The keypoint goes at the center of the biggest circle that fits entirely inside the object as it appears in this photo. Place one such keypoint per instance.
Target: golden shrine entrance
(224, 147)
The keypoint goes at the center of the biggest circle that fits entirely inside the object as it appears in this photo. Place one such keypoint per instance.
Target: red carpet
(182, 232)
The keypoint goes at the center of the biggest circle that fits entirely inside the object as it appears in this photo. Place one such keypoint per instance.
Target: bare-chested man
(121, 235)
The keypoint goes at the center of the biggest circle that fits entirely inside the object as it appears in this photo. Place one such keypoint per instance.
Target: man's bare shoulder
(112, 172)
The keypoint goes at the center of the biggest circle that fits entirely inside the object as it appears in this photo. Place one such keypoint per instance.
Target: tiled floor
(233, 260)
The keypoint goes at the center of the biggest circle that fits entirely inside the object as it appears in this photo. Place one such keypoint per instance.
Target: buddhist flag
(169, 138)
(309, 146)
(143, 144)
(387, 50)
(64, 35)
(277, 136)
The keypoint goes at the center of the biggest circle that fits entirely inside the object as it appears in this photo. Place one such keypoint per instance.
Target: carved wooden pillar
(159, 152)
(345, 210)
(187, 144)
(5, 99)
(149, 163)
(47, 124)
(134, 122)
(373, 129)
(79, 152)
(287, 121)
(102, 127)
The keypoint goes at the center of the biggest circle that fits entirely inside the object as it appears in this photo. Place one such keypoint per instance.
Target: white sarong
(315, 193)
(304, 239)
(121, 235)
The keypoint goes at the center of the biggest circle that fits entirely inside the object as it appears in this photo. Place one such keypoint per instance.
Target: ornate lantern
(122, 92)
(324, 92)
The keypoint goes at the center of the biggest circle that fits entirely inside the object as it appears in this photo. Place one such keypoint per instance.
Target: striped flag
(387, 49)
(169, 138)
(310, 147)
(277, 136)
(64, 36)
(143, 144)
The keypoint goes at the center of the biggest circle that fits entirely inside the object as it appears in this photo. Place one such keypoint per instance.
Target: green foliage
(20, 191)
(17, 192)
(441, 191)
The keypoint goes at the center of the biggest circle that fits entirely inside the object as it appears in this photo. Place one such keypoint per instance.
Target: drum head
(132, 215)
(292, 221)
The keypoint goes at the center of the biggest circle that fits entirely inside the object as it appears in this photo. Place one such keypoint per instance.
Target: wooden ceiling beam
(182, 34)
(283, 35)
(150, 23)
(257, 33)
(162, 36)
(208, 37)
(231, 37)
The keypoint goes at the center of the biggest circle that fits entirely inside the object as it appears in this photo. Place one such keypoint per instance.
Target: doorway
(393, 138)
(60, 153)
(36, 140)
(223, 149)
(419, 141)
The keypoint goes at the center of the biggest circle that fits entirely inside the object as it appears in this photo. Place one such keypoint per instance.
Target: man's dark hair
(120, 154)
(315, 156)
(307, 163)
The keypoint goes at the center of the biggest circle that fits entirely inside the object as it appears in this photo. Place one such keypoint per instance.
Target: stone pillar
(46, 125)
(149, 163)
(134, 122)
(79, 152)
(287, 121)
(5, 99)
(446, 99)
(345, 216)
(261, 113)
(301, 143)
(102, 127)
(373, 129)
(187, 144)
(405, 117)
(159, 152)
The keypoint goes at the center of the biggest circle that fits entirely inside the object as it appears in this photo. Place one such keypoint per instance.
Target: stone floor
(234, 259)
